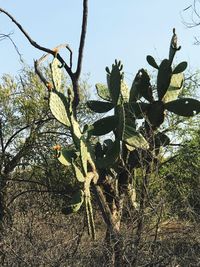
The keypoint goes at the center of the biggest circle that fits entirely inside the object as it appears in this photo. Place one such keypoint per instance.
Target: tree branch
(82, 39)
(36, 45)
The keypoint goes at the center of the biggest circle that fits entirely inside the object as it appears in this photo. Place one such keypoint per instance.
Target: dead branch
(74, 76)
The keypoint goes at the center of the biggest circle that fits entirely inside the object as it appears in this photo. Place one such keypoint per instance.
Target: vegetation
(129, 193)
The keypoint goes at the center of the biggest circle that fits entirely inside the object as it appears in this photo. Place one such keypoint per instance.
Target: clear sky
(124, 29)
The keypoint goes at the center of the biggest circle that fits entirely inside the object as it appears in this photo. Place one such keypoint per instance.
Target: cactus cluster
(114, 156)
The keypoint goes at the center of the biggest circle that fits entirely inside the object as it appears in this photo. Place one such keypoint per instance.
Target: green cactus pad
(124, 91)
(56, 71)
(114, 83)
(137, 110)
(180, 67)
(152, 62)
(103, 91)
(155, 113)
(83, 153)
(58, 106)
(111, 156)
(103, 126)
(133, 138)
(141, 87)
(75, 203)
(175, 88)
(163, 78)
(186, 107)
(79, 176)
(120, 114)
(99, 106)
(66, 156)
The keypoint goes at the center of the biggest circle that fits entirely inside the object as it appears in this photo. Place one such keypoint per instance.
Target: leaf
(56, 71)
(184, 107)
(152, 62)
(79, 176)
(103, 126)
(99, 106)
(103, 91)
(66, 156)
(75, 203)
(133, 138)
(175, 87)
(163, 78)
(111, 156)
(180, 67)
(58, 106)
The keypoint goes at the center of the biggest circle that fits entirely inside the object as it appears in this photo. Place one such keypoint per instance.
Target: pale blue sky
(124, 29)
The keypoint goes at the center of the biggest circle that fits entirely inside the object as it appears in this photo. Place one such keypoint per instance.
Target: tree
(182, 188)
(107, 167)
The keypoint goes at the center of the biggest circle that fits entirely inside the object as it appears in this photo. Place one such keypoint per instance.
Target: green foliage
(181, 179)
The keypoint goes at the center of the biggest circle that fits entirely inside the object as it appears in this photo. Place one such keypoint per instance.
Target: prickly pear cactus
(113, 158)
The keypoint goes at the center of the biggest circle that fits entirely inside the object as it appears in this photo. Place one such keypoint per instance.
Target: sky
(126, 30)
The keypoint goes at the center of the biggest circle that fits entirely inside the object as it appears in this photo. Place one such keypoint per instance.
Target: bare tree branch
(54, 52)
(82, 39)
(36, 45)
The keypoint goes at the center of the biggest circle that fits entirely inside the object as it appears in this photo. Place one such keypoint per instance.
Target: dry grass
(40, 235)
